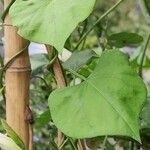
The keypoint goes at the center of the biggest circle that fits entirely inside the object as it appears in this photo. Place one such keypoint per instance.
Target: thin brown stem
(60, 79)
(81, 145)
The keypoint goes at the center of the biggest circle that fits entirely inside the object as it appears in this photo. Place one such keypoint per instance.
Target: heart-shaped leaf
(49, 21)
(108, 102)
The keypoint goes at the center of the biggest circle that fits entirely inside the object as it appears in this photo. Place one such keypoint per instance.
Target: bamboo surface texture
(17, 80)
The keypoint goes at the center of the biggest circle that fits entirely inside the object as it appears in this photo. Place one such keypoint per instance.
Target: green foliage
(38, 61)
(43, 119)
(1, 90)
(13, 135)
(53, 22)
(7, 143)
(123, 39)
(76, 61)
(108, 102)
(136, 57)
(145, 5)
(145, 116)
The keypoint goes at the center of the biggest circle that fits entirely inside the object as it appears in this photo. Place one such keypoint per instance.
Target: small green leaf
(37, 62)
(122, 39)
(136, 57)
(7, 143)
(108, 102)
(78, 59)
(11, 133)
(43, 119)
(49, 21)
(145, 6)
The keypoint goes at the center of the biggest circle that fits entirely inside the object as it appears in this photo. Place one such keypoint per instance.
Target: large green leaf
(49, 21)
(108, 102)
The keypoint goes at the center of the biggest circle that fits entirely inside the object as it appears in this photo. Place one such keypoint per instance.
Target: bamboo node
(19, 69)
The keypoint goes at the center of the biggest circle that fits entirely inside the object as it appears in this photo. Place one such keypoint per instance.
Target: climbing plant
(110, 94)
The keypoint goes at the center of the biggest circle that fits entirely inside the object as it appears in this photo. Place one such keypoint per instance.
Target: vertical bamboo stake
(17, 80)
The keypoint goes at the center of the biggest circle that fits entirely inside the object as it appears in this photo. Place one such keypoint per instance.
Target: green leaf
(7, 143)
(49, 21)
(78, 59)
(108, 102)
(122, 39)
(1, 90)
(11, 133)
(145, 6)
(145, 116)
(136, 57)
(43, 119)
(37, 62)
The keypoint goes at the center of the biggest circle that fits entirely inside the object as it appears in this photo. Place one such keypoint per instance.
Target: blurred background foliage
(130, 17)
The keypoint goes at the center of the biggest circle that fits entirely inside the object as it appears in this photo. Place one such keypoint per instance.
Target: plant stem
(100, 19)
(132, 145)
(7, 10)
(4, 67)
(44, 81)
(143, 56)
(13, 58)
(77, 74)
(72, 143)
(60, 79)
(62, 145)
(1, 78)
(81, 145)
(104, 143)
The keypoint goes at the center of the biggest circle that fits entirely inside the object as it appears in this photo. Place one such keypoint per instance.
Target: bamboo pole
(17, 80)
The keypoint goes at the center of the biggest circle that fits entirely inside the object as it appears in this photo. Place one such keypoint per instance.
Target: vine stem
(6, 10)
(81, 145)
(77, 74)
(98, 20)
(60, 79)
(1, 78)
(104, 143)
(143, 55)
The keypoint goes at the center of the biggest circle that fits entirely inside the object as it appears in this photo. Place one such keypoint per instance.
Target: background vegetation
(128, 17)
